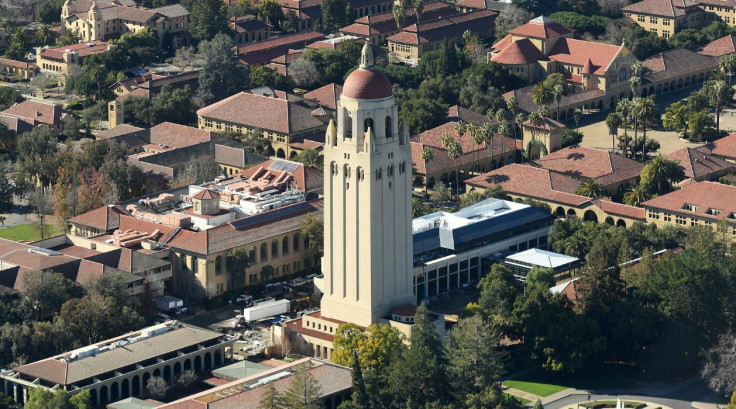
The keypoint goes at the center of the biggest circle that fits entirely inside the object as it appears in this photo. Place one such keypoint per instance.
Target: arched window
(285, 246)
(296, 242)
(389, 127)
(264, 252)
(622, 74)
(368, 123)
(252, 254)
(274, 249)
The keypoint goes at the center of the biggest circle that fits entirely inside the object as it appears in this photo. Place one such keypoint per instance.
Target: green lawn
(521, 401)
(26, 232)
(542, 383)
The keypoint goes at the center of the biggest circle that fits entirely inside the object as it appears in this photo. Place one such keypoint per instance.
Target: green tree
(571, 137)
(454, 151)
(661, 173)
(418, 8)
(112, 284)
(499, 291)
(613, 122)
(172, 105)
(427, 156)
(474, 356)
(9, 97)
(347, 338)
(313, 229)
(310, 158)
(701, 126)
(68, 37)
(45, 291)
(637, 195)
(625, 110)
(543, 94)
(303, 392)
(49, 13)
(272, 399)
(590, 188)
(95, 317)
(270, 11)
(221, 75)
(418, 376)
(676, 118)
(207, 19)
(727, 65)
(262, 76)
(647, 111)
(7, 190)
(399, 12)
(238, 260)
(719, 93)
(333, 15)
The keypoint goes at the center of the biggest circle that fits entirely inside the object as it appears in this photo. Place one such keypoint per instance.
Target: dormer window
(713, 212)
(690, 207)
(731, 216)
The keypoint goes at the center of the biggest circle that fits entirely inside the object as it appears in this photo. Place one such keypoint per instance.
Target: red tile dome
(367, 84)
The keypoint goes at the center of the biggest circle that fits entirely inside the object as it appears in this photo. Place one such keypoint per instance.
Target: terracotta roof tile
(619, 209)
(578, 52)
(521, 52)
(530, 181)
(18, 64)
(699, 164)
(37, 112)
(326, 96)
(724, 147)
(178, 136)
(675, 63)
(665, 8)
(82, 49)
(264, 51)
(104, 218)
(720, 47)
(384, 23)
(705, 196)
(582, 163)
(436, 30)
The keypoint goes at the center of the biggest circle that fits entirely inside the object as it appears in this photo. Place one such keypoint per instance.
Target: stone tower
(115, 114)
(368, 242)
(94, 16)
(66, 12)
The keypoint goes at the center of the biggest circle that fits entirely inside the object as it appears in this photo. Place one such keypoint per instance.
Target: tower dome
(366, 82)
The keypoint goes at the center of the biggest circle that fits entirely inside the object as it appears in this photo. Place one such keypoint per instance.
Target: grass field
(542, 383)
(521, 401)
(26, 232)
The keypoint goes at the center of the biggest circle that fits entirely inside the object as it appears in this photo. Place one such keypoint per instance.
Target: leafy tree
(595, 24)
(310, 158)
(399, 12)
(112, 285)
(207, 19)
(676, 118)
(347, 339)
(360, 395)
(418, 376)
(637, 195)
(303, 392)
(571, 137)
(9, 97)
(418, 8)
(661, 173)
(68, 37)
(46, 291)
(187, 379)
(719, 369)
(96, 317)
(221, 76)
(719, 93)
(701, 126)
(641, 43)
(498, 292)
(270, 11)
(441, 193)
(421, 114)
(688, 38)
(474, 357)
(82, 400)
(313, 230)
(263, 76)
(333, 15)
(727, 65)
(172, 105)
(7, 190)
(49, 13)
(304, 73)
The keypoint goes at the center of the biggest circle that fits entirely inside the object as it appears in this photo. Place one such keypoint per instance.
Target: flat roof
(542, 258)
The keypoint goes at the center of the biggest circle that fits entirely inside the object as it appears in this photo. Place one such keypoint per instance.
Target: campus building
(102, 20)
(59, 60)
(414, 40)
(120, 367)
(667, 17)
(287, 120)
(203, 224)
(17, 70)
(29, 114)
(449, 248)
(248, 29)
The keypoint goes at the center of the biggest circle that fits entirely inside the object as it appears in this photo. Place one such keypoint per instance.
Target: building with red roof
(724, 148)
(376, 28)
(428, 35)
(720, 47)
(17, 69)
(698, 204)
(667, 17)
(700, 164)
(28, 114)
(58, 60)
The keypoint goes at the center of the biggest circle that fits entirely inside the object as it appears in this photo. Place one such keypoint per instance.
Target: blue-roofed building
(449, 247)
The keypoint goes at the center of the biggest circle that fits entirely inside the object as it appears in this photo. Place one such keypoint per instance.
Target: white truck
(167, 303)
(266, 308)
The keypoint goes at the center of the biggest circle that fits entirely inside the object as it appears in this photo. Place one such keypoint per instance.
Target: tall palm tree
(487, 133)
(535, 119)
(718, 92)
(637, 195)
(472, 129)
(559, 91)
(590, 188)
(727, 64)
(646, 108)
(478, 138)
(543, 111)
(519, 120)
(635, 115)
(512, 104)
(635, 79)
(624, 110)
(504, 128)
(454, 151)
(427, 156)
(613, 121)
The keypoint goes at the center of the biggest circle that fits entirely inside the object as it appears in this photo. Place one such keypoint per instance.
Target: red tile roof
(326, 96)
(264, 51)
(664, 8)
(619, 209)
(284, 113)
(578, 52)
(533, 182)
(582, 163)
(367, 84)
(18, 64)
(306, 179)
(384, 23)
(457, 113)
(503, 43)
(436, 30)
(725, 147)
(104, 218)
(705, 196)
(722, 46)
(699, 164)
(541, 27)
(82, 49)
(178, 136)
(37, 112)
(521, 52)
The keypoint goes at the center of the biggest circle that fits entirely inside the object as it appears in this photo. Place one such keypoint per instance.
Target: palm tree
(590, 188)
(718, 92)
(576, 244)
(637, 195)
(454, 151)
(512, 104)
(646, 108)
(427, 156)
(634, 112)
(399, 14)
(727, 64)
(487, 133)
(559, 91)
(474, 130)
(505, 130)
(519, 120)
(635, 79)
(660, 172)
(535, 119)
(543, 111)
(624, 110)
(542, 94)
(613, 121)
